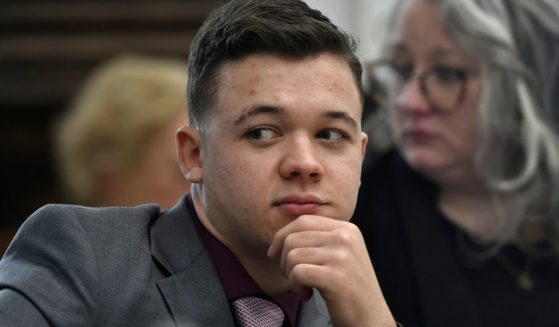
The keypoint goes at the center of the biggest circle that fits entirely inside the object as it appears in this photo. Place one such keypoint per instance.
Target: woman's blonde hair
(122, 105)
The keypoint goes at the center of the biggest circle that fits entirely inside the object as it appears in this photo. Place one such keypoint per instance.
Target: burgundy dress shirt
(234, 278)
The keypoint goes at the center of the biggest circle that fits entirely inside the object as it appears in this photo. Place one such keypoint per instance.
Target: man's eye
(261, 133)
(331, 135)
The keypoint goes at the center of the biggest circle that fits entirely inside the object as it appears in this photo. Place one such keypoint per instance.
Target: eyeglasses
(443, 87)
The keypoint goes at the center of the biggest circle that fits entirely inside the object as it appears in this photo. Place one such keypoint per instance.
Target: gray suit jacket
(78, 266)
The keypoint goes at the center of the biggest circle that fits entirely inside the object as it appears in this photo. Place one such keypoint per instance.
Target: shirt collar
(234, 278)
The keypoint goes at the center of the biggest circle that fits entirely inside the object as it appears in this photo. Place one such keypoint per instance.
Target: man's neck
(266, 273)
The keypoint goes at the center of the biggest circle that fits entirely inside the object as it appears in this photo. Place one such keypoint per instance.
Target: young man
(273, 154)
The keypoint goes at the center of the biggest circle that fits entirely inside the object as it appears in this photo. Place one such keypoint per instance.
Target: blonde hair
(123, 104)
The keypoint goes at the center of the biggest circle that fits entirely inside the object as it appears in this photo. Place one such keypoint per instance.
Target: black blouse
(431, 274)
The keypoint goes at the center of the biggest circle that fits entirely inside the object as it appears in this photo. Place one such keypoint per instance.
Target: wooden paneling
(47, 48)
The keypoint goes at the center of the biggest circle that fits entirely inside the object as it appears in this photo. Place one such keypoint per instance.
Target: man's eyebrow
(258, 110)
(341, 115)
(268, 109)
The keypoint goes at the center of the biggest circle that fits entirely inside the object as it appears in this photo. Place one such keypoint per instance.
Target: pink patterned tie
(253, 311)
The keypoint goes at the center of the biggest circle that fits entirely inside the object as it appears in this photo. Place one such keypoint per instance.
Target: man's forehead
(259, 70)
(259, 60)
(270, 84)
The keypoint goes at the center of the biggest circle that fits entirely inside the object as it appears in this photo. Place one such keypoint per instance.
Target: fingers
(301, 224)
(300, 280)
(303, 266)
(313, 247)
(330, 255)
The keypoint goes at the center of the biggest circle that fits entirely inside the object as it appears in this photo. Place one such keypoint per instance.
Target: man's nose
(301, 161)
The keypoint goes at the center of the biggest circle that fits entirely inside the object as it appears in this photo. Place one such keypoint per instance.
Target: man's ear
(364, 140)
(189, 155)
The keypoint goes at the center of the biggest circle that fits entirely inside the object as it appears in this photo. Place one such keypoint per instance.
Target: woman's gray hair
(518, 43)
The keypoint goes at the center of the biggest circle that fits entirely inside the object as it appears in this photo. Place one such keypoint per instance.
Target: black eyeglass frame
(374, 86)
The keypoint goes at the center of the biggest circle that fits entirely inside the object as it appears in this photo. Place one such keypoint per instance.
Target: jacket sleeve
(16, 310)
(48, 275)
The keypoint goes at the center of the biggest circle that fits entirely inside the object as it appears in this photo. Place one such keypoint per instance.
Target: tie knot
(252, 311)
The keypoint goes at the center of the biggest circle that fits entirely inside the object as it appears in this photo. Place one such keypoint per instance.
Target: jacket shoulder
(70, 253)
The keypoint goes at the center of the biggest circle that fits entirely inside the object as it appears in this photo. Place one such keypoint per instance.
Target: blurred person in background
(114, 146)
(461, 212)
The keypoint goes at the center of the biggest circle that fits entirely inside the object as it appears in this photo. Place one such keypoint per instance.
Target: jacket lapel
(192, 291)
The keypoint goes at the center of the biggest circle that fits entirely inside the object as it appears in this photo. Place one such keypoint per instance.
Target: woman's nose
(412, 98)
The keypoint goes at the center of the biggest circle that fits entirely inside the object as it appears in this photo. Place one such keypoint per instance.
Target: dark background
(47, 48)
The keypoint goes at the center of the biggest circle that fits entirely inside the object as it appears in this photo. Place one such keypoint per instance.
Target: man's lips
(297, 205)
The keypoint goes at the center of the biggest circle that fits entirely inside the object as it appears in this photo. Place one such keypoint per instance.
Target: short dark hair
(240, 28)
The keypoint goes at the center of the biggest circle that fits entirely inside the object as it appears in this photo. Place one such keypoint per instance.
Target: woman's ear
(189, 154)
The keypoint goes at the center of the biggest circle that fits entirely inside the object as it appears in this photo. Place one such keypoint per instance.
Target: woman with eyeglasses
(461, 210)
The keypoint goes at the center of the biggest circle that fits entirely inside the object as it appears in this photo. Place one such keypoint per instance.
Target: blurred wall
(365, 19)
(47, 48)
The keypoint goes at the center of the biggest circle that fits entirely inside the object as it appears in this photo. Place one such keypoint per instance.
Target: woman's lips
(419, 136)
